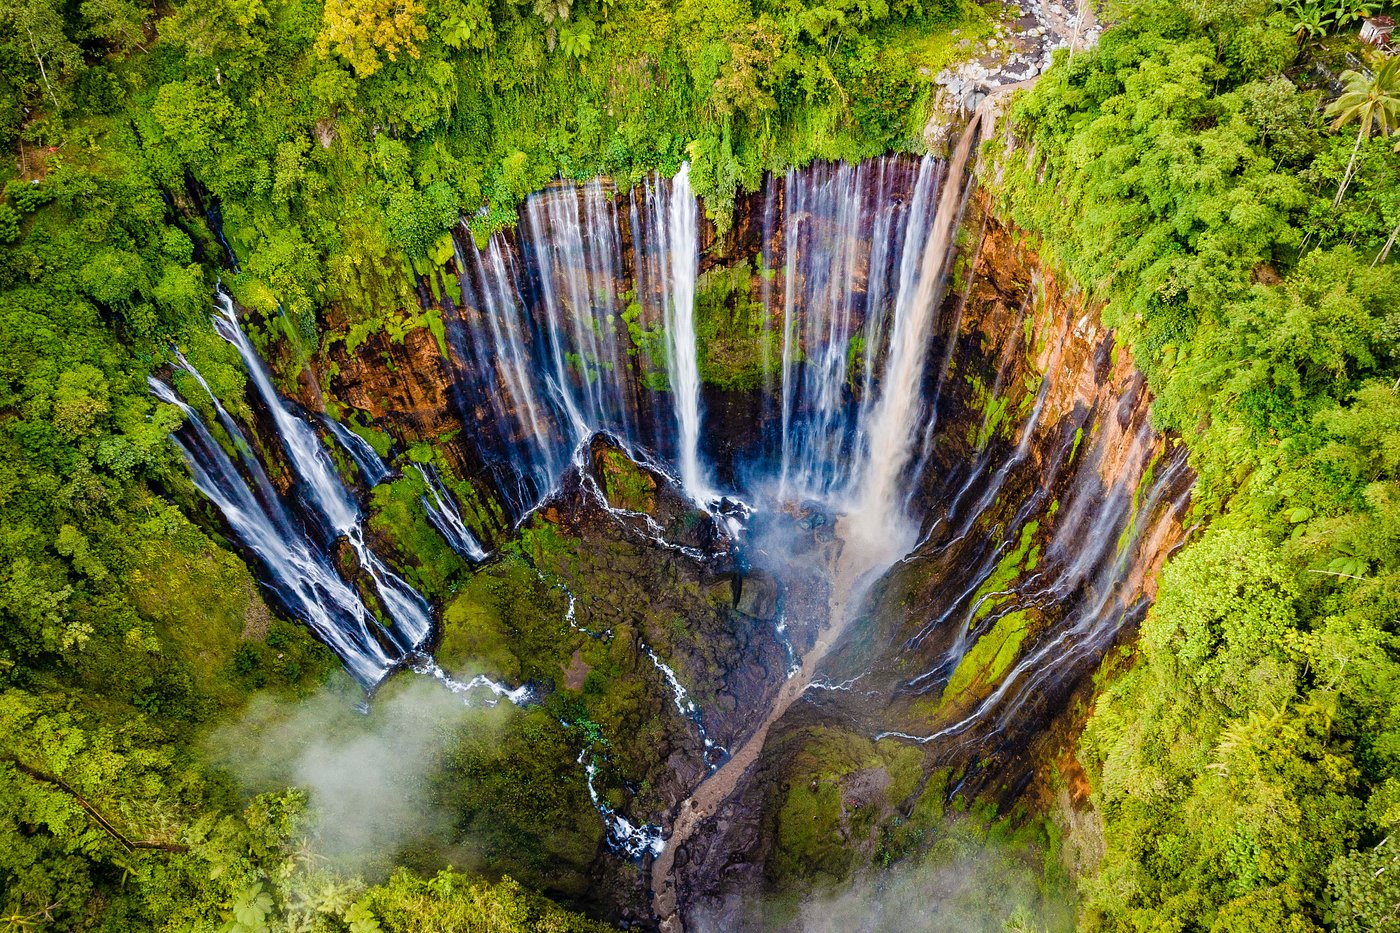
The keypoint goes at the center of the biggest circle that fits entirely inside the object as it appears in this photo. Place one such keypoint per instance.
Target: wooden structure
(1376, 30)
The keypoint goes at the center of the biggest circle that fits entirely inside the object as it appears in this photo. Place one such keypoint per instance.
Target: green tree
(1373, 102)
(34, 29)
(120, 22)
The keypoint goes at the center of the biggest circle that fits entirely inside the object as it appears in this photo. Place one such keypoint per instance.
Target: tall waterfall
(574, 243)
(301, 574)
(889, 431)
(681, 244)
(544, 339)
(841, 225)
(327, 494)
(293, 538)
(561, 331)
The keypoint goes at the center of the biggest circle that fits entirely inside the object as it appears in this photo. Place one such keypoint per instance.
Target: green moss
(993, 413)
(810, 843)
(432, 318)
(1130, 528)
(928, 809)
(475, 636)
(1024, 558)
(398, 517)
(988, 660)
(625, 484)
(648, 346)
(738, 349)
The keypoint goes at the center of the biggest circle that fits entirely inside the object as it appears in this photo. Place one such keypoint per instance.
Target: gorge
(953, 492)
(795, 465)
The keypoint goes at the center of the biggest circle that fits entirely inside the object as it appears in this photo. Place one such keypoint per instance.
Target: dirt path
(848, 571)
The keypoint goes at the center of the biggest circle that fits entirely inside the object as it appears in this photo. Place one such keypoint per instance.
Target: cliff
(1044, 501)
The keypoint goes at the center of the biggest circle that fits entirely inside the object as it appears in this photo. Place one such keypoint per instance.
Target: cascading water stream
(841, 224)
(682, 247)
(372, 467)
(543, 336)
(311, 461)
(443, 515)
(301, 576)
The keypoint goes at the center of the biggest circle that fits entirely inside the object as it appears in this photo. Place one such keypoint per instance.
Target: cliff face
(1046, 505)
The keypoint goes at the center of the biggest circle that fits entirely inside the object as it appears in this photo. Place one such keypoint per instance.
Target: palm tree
(1374, 102)
(1390, 241)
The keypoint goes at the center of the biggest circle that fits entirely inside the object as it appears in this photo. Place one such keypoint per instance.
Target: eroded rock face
(1046, 505)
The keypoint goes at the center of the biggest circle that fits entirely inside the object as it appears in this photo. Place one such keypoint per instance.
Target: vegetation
(1245, 767)
(1189, 172)
(336, 143)
(957, 866)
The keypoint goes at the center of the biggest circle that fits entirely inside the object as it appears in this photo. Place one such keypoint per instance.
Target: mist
(370, 776)
(968, 881)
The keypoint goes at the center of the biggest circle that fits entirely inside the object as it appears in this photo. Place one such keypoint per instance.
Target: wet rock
(758, 596)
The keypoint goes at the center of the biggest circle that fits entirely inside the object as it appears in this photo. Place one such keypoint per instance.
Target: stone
(758, 596)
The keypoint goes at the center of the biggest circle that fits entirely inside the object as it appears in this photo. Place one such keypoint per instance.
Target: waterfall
(443, 515)
(572, 240)
(372, 467)
(681, 245)
(877, 516)
(493, 347)
(541, 343)
(308, 456)
(299, 574)
(560, 334)
(847, 232)
(312, 463)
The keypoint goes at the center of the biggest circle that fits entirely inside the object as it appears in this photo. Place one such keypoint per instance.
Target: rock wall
(1046, 503)
(1048, 506)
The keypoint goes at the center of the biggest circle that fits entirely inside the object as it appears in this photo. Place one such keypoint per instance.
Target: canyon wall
(1043, 501)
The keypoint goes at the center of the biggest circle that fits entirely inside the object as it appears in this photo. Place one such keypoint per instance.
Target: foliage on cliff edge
(1247, 767)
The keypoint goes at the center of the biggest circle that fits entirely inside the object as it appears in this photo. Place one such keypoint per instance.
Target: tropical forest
(699, 465)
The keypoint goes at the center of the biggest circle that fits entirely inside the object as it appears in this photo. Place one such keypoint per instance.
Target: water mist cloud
(369, 776)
